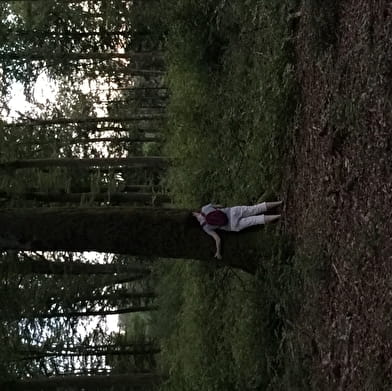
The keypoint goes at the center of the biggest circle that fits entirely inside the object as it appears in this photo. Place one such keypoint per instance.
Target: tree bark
(38, 266)
(89, 140)
(134, 162)
(88, 383)
(102, 189)
(33, 1)
(67, 56)
(117, 198)
(67, 34)
(78, 314)
(141, 139)
(150, 232)
(115, 296)
(38, 354)
(123, 280)
(86, 353)
(86, 120)
(142, 132)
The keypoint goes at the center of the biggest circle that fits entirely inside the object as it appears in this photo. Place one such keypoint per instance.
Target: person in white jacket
(236, 218)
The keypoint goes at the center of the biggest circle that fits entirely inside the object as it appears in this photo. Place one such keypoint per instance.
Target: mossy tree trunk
(152, 232)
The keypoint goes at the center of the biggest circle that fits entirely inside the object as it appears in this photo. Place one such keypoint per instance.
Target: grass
(232, 101)
(232, 107)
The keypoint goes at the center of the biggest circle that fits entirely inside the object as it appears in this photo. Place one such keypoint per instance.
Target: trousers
(242, 217)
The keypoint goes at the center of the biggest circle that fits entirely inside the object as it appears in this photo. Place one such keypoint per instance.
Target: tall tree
(134, 162)
(92, 312)
(29, 265)
(109, 197)
(89, 383)
(80, 120)
(164, 233)
(134, 349)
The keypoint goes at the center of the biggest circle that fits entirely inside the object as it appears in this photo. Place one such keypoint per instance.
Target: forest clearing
(157, 110)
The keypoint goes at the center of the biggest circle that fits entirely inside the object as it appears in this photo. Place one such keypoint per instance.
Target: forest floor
(338, 191)
(266, 102)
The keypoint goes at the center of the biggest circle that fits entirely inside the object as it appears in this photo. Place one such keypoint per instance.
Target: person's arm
(212, 233)
(217, 239)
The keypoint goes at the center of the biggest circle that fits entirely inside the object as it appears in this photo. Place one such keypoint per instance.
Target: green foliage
(233, 331)
(232, 100)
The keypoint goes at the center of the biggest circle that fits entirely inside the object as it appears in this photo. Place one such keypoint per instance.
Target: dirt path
(339, 195)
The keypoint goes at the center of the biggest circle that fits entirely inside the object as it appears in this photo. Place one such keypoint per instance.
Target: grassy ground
(263, 103)
(232, 84)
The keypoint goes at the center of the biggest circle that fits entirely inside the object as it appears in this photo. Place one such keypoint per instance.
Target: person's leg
(250, 221)
(253, 210)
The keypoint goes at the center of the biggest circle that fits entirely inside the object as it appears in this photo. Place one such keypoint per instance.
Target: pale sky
(45, 91)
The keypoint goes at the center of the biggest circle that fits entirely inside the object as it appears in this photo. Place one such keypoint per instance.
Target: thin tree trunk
(89, 140)
(141, 139)
(141, 132)
(88, 351)
(131, 88)
(78, 314)
(69, 56)
(150, 232)
(115, 296)
(89, 383)
(86, 120)
(38, 266)
(134, 162)
(123, 280)
(33, 1)
(68, 33)
(117, 198)
(102, 189)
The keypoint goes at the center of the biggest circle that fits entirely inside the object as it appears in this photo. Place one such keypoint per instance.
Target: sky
(45, 91)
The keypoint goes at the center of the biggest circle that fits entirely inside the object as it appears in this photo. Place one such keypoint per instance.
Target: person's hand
(218, 255)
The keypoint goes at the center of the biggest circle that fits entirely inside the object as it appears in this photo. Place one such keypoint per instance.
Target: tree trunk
(102, 189)
(142, 132)
(78, 314)
(89, 140)
(68, 56)
(122, 280)
(134, 162)
(131, 88)
(38, 266)
(141, 139)
(117, 198)
(114, 350)
(33, 1)
(86, 120)
(115, 296)
(150, 232)
(67, 34)
(88, 383)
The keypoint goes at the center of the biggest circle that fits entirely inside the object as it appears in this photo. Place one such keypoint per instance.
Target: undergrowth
(232, 106)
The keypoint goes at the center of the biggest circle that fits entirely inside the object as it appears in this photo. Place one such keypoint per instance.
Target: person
(213, 217)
